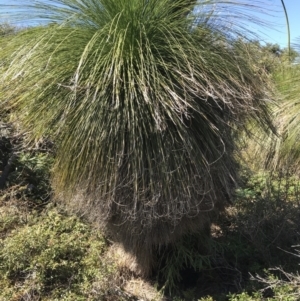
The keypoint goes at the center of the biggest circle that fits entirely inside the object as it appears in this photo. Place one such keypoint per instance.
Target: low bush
(54, 257)
(24, 166)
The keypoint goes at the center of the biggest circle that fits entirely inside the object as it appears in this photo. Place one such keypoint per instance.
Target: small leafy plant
(55, 256)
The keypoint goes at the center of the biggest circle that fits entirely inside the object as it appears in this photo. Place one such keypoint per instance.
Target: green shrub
(265, 215)
(31, 170)
(55, 257)
(24, 166)
(282, 287)
(192, 253)
(280, 152)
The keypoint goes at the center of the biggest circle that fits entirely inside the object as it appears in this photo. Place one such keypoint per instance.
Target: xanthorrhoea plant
(142, 97)
(282, 153)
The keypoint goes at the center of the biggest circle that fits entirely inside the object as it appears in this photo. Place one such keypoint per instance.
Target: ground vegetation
(247, 249)
(144, 110)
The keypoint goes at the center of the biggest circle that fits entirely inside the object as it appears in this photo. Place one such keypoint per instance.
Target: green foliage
(190, 253)
(12, 217)
(281, 152)
(29, 178)
(28, 175)
(266, 57)
(24, 166)
(206, 299)
(275, 288)
(286, 149)
(148, 88)
(51, 256)
(34, 170)
(257, 232)
(273, 187)
(266, 213)
(54, 256)
(245, 297)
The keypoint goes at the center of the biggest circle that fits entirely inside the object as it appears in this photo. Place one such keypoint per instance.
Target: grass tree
(143, 99)
(287, 152)
(281, 153)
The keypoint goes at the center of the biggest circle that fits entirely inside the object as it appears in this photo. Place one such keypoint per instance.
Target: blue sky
(278, 33)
